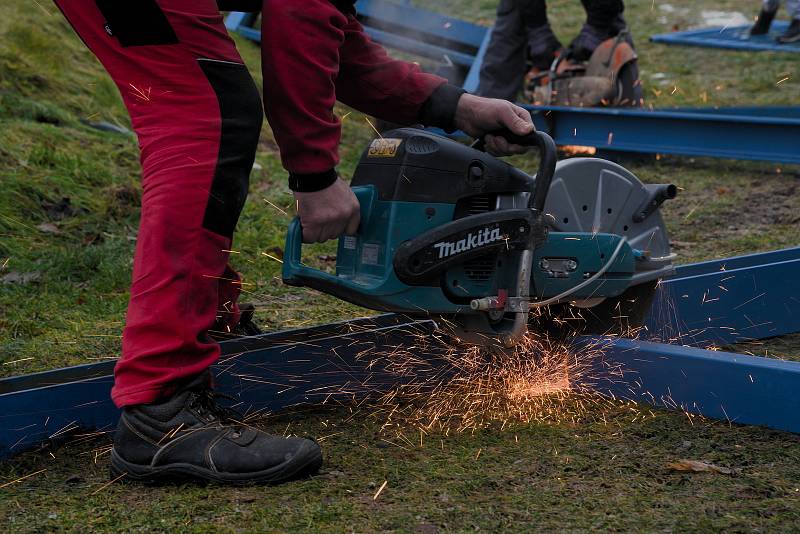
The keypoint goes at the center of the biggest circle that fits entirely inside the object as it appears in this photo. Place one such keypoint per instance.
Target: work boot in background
(191, 437)
(792, 33)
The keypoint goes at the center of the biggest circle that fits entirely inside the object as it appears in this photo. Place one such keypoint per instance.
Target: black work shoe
(792, 33)
(191, 437)
(245, 327)
(763, 22)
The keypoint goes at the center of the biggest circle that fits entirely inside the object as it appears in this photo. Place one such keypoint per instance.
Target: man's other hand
(328, 213)
(476, 116)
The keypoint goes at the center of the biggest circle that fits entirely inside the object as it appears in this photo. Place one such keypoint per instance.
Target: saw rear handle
(547, 163)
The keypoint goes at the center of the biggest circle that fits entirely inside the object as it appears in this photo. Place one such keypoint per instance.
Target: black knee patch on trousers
(137, 22)
(241, 116)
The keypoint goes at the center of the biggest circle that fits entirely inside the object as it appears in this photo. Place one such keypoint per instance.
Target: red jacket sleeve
(371, 81)
(312, 53)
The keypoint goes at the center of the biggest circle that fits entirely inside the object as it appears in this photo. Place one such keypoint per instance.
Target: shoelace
(205, 402)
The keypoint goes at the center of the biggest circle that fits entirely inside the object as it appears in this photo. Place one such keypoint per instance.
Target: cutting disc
(595, 196)
(598, 196)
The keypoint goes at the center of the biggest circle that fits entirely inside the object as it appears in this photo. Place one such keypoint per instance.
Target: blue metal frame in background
(730, 38)
(709, 303)
(745, 133)
(401, 26)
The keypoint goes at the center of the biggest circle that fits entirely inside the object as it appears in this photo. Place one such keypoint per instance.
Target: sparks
(276, 207)
(373, 127)
(20, 479)
(375, 497)
(270, 256)
(143, 95)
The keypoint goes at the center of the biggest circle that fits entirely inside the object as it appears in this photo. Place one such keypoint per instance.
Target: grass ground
(65, 266)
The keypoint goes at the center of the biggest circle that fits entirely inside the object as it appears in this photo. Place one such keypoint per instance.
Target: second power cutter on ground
(448, 230)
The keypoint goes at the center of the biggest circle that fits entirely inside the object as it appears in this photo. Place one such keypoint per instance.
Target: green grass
(604, 476)
(606, 471)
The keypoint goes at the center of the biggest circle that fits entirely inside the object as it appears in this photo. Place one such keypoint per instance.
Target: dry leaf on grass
(49, 228)
(20, 278)
(698, 466)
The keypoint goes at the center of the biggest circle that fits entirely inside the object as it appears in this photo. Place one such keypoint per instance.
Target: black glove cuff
(440, 108)
(347, 7)
(309, 183)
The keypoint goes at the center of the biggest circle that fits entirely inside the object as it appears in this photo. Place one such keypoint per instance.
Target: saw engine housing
(449, 230)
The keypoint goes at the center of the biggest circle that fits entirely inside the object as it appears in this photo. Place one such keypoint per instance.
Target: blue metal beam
(271, 372)
(730, 387)
(702, 132)
(755, 259)
(279, 370)
(729, 301)
(236, 20)
(403, 27)
(748, 133)
(406, 18)
(419, 48)
(732, 38)
(473, 78)
(778, 112)
(250, 33)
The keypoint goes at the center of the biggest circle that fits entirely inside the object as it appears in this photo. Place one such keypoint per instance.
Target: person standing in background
(522, 34)
(764, 20)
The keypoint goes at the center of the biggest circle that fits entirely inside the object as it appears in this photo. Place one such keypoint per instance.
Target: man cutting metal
(198, 116)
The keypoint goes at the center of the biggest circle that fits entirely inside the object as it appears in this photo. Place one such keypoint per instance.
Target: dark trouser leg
(521, 32)
(603, 21)
(542, 42)
(605, 15)
(504, 62)
(228, 312)
(197, 114)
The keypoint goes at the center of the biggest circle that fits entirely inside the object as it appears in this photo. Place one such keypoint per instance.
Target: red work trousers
(197, 115)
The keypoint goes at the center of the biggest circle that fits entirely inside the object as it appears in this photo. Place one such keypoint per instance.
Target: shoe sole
(306, 463)
(789, 40)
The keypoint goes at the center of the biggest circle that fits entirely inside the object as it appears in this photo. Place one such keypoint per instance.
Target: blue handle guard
(297, 274)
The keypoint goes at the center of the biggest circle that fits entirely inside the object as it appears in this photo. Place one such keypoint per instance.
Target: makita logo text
(478, 239)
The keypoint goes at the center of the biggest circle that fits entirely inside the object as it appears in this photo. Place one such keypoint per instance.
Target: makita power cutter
(448, 230)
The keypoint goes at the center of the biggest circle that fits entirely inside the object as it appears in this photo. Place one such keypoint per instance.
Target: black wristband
(309, 183)
(440, 108)
(248, 6)
(347, 7)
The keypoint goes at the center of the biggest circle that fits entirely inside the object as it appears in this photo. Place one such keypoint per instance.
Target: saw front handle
(297, 274)
(548, 156)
